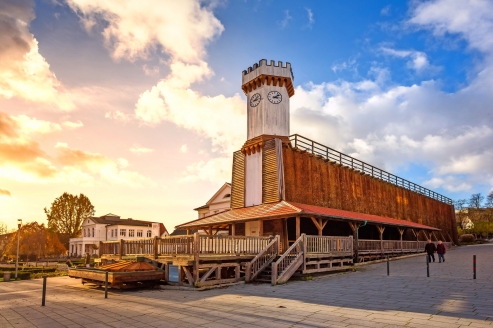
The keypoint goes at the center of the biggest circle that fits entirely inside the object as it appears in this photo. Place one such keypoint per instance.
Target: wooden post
(233, 229)
(166, 272)
(156, 247)
(285, 239)
(210, 230)
(180, 275)
(237, 273)
(121, 248)
(401, 232)
(381, 229)
(355, 227)
(260, 228)
(196, 251)
(188, 232)
(304, 253)
(297, 227)
(100, 248)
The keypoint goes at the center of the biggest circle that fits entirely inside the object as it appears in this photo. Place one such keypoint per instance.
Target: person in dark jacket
(441, 250)
(430, 248)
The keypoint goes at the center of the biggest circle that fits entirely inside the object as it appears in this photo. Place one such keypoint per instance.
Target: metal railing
(316, 148)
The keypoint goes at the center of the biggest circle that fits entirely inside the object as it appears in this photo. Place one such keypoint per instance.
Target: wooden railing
(186, 245)
(139, 246)
(329, 244)
(366, 246)
(176, 245)
(331, 154)
(288, 263)
(241, 245)
(109, 248)
(262, 260)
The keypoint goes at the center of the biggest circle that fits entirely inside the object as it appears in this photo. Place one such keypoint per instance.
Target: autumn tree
(36, 241)
(67, 213)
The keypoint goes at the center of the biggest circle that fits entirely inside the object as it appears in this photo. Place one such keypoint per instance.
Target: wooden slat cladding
(270, 185)
(312, 180)
(238, 181)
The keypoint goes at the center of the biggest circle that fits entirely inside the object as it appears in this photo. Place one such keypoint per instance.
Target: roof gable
(219, 195)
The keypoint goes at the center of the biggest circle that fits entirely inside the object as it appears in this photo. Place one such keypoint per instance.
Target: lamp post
(19, 223)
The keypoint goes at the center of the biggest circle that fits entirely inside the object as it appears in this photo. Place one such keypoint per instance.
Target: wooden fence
(329, 244)
(366, 246)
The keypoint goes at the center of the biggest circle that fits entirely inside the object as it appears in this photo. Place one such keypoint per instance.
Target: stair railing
(288, 263)
(262, 260)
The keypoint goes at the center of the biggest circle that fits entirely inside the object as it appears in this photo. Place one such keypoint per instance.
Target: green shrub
(467, 238)
(24, 275)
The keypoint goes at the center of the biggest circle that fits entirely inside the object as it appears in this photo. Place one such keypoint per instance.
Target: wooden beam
(285, 243)
(324, 223)
(317, 225)
(188, 275)
(208, 273)
(298, 233)
(210, 231)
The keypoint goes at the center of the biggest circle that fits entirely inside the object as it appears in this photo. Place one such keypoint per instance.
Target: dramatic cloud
(22, 159)
(133, 30)
(24, 73)
(5, 193)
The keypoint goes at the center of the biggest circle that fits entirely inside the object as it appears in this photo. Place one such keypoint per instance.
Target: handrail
(246, 245)
(349, 161)
(329, 244)
(262, 260)
(287, 260)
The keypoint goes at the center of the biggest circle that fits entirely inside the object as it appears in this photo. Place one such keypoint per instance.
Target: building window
(227, 196)
(131, 233)
(139, 233)
(93, 232)
(149, 233)
(84, 232)
(123, 232)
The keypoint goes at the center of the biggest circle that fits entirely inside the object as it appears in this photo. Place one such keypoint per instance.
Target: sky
(138, 104)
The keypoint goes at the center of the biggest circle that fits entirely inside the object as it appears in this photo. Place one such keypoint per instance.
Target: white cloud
(133, 30)
(140, 150)
(119, 116)
(33, 125)
(150, 71)
(24, 73)
(217, 170)
(72, 125)
(311, 20)
(418, 60)
(284, 23)
(184, 148)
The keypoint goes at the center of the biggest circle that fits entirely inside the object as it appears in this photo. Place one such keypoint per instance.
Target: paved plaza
(365, 298)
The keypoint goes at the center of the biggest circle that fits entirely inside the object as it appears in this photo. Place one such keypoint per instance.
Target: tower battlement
(267, 68)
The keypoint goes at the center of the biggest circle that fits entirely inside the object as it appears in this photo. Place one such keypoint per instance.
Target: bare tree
(476, 200)
(68, 212)
(3, 228)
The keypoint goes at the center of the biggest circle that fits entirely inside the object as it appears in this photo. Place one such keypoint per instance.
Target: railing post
(248, 271)
(304, 252)
(274, 274)
(122, 242)
(156, 247)
(196, 251)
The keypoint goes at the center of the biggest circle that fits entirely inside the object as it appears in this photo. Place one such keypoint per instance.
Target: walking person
(430, 249)
(441, 250)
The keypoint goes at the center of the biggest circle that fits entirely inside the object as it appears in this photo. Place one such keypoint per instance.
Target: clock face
(255, 100)
(274, 97)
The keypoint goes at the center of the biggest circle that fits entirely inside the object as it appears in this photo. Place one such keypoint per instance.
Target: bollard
(474, 266)
(388, 266)
(106, 286)
(427, 266)
(43, 298)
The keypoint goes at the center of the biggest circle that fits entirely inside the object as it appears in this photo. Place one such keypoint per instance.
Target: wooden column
(196, 249)
(298, 227)
(285, 239)
(233, 232)
(100, 248)
(210, 230)
(401, 232)
(260, 228)
(188, 232)
(121, 248)
(156, 247)
(355, 227)
(381, 229)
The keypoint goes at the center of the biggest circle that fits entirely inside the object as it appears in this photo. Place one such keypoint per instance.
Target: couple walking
(440, 249)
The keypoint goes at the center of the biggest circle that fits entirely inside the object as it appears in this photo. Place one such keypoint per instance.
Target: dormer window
(227, 196)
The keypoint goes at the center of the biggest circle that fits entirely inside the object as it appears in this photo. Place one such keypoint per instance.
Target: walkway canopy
(285, 209)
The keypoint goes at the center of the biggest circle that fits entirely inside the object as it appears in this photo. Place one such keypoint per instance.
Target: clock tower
(268, 87)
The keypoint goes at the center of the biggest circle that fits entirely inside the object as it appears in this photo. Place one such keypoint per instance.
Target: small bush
(24, 275)
(467, 238)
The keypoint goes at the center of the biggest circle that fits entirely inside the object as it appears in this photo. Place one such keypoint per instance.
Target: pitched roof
(284, 208)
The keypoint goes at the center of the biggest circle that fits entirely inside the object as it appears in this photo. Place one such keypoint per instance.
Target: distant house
(220, 202)
(112, 227)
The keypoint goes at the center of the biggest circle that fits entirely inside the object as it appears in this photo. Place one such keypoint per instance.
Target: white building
(112, 227)
(220, 202)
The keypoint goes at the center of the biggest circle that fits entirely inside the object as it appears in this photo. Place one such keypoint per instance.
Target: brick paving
(365, 298)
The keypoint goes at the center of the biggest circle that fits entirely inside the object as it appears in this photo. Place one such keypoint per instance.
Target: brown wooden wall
(312, 180)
